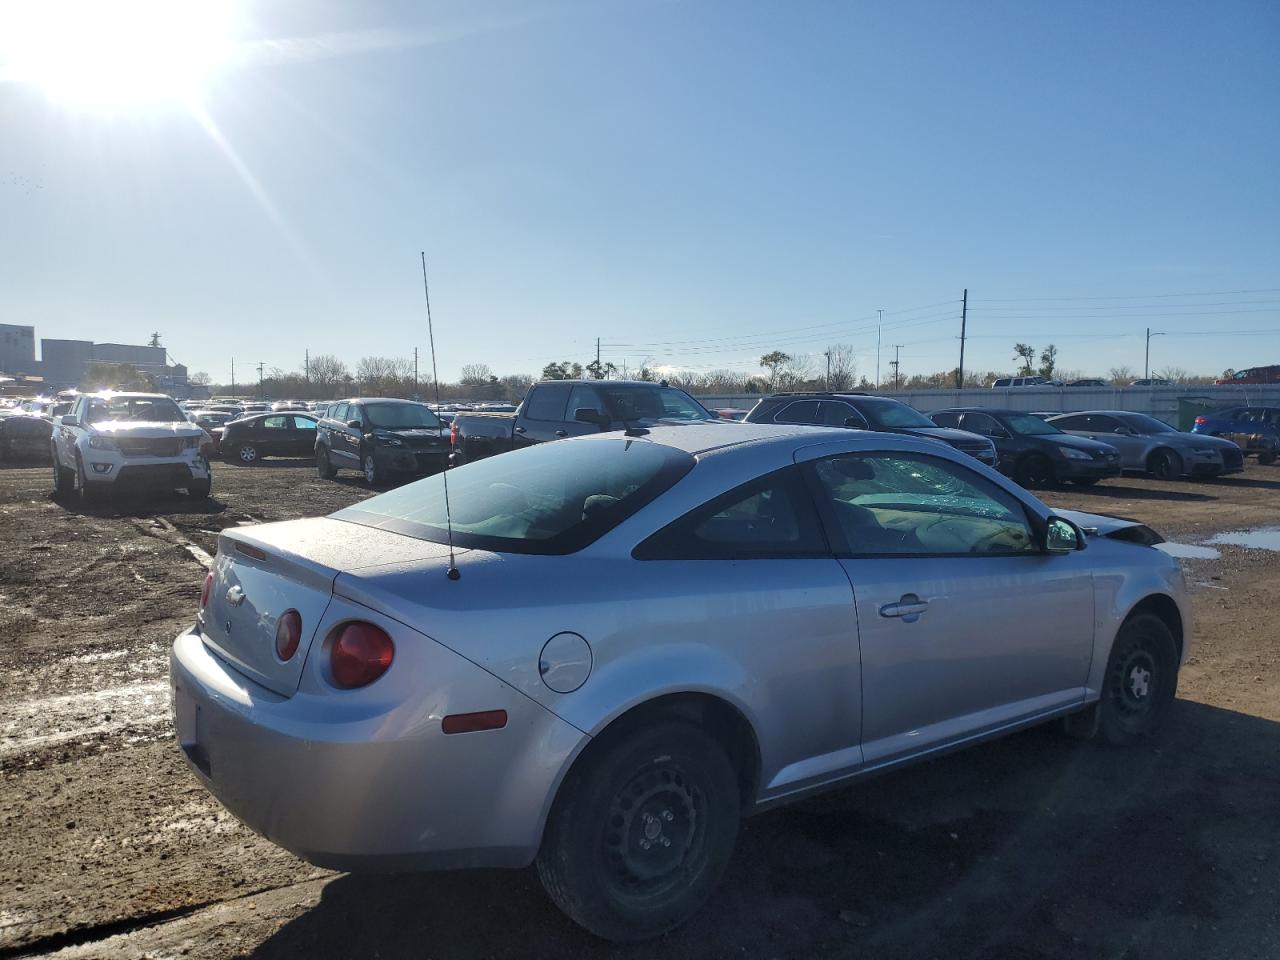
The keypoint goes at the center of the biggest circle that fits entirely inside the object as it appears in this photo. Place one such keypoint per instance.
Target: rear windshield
(635, 403)
(894, 414)
(549, 498)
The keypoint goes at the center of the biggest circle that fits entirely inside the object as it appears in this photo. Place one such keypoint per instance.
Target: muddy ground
(1033, 847)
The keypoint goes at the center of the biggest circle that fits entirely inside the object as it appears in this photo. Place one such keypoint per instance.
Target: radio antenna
(452, 573)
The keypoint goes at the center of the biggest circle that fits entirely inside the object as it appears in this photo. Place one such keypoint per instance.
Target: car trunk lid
(263, 571)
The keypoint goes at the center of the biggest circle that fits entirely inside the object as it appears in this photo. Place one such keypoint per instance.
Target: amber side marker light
(471, 722)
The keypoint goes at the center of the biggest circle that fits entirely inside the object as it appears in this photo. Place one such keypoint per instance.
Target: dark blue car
(1255, 429)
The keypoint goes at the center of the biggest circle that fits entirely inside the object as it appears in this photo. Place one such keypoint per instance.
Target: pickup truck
(555, 409)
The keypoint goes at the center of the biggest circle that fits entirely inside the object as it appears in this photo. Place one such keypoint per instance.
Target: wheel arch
(1151, 455)
(1165, 608)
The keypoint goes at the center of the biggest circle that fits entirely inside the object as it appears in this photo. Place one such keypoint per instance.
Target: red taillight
(288, 634)
(361, 654)
(453, 433)
(204, 591)
(1200, 420)
(471, 722)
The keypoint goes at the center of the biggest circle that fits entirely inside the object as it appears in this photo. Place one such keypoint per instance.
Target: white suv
(114, 439)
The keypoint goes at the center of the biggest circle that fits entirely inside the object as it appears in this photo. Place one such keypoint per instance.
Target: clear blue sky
(692, 182)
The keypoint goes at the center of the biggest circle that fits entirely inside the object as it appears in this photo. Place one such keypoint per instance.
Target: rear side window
(798, 411)
(769, 518)
(552, 498)
(1079, 422)
(837, 413)
(945, 419)
(547, 402)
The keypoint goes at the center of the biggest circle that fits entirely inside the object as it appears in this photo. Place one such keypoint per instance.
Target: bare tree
(199, 379)
(475, 375)
(795, 372)
(1121, 376)
(843, 366)
(1025, 354)
(326, 372)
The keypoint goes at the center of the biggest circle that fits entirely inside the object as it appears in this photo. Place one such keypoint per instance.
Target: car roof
(704, 436)
(1105, 413)
(122, 394)
(994, 411)
(413, 403)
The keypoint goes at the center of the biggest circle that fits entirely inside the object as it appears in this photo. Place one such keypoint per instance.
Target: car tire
(1267, 458)
(84, 490)
(1140, 683)
(200, 489)
(641, 831)
(63, 479)
(247, 454)
(324, 466)
(369, 467)
(1164, 465)
(1035, 470)
(1085, 481)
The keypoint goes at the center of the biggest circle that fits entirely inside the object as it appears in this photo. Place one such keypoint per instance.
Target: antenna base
(453, 573)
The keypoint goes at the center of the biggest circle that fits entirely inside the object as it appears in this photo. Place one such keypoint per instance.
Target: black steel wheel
(641, 832)
(1035, 470)
(1164, 465)
(1141, 680)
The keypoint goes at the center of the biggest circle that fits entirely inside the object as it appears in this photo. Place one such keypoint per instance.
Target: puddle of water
(1188, 551)
(1260, 538)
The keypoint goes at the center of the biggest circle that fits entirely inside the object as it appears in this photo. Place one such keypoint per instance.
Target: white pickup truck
(114, 440)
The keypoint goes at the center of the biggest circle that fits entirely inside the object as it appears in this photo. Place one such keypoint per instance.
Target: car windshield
(632, 403)
(550, 498)
(399, 416)
(136, 409)
(1144, 424)
(1025, 425)
(894, 414)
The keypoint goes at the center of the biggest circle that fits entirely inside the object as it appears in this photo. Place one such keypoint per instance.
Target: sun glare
(113, 54)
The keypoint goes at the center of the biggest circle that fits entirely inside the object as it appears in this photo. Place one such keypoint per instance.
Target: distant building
(17, 349)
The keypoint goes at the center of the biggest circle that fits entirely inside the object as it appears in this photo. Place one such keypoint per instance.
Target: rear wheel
(1085, 481)
(1164, 465)
(324, 466)
(1141, 681)
(1035, 470)
(1266, 458)
(200, 489)
(247, 454)
(641, 832)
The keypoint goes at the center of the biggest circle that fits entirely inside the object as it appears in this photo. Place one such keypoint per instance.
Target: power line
(1148, 296)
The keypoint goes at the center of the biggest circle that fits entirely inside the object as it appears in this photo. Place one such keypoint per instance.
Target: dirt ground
(1036, 846)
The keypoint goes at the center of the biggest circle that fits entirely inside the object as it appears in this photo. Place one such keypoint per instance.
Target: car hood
(145, 431)
(1078, 443)
(409, 433)
(945, 434)
(1192, 440)
(1114, 528)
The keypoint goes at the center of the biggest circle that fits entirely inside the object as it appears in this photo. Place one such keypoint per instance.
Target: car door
(1108, 429)
(543, 416)
(753, 565)
(966, 626)
(270, 435)
(349, 436)
(985, 425)
(302, 438)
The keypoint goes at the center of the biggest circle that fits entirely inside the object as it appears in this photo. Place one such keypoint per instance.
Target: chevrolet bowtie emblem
(235, 596)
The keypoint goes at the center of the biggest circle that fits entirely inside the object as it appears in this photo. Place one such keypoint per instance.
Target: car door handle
(562, 433)
(519, 429)
(908, 608)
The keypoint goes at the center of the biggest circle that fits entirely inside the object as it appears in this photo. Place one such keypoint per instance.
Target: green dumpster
(1191, 407)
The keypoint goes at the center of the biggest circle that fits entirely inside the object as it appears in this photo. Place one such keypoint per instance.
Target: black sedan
(1033, 452)
(862, 412)
(249, 439)
(24, 436)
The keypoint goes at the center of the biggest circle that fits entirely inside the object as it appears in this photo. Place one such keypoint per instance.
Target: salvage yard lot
(1036, 846)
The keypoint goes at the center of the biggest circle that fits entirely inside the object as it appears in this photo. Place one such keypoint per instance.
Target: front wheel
(372, 475)
(200, 489)
(1267, 458)
(1165, 465)
(1035, 471)
(63, 479)
(1140, 683)
(641, 832)
(247, 454)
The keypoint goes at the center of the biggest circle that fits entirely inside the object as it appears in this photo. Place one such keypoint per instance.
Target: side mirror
(1125, 432)
(590, 415)
(355, 423)
(69, 421)
(1061, 536)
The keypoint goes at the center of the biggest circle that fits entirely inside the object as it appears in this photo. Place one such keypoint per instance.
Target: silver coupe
(636, 638)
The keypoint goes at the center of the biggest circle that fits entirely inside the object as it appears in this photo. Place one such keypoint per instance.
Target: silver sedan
(598, 655)
(1154, 447)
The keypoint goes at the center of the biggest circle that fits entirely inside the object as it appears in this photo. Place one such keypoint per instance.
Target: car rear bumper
(348, 780)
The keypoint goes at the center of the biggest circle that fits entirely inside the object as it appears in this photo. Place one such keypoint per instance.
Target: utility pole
(1146, 363)
(306, 365)
(599, 372)
(415, 373)
(897, 381)
(828, 356)
(964, 314)
(233, 376)
(261, 394)
(880, 318)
